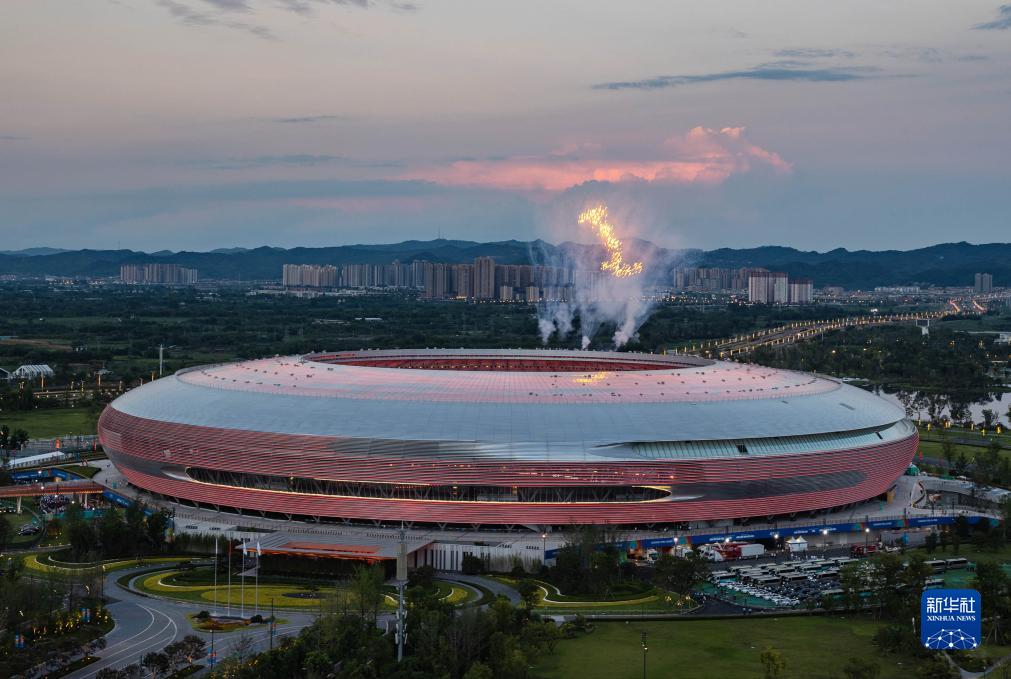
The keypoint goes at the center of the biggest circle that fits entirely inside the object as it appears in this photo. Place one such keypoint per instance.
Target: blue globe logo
(951, 640)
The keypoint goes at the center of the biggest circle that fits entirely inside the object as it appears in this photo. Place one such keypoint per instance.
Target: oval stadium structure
(504, 438)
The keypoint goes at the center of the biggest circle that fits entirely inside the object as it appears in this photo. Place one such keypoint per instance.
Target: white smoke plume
(606, 289)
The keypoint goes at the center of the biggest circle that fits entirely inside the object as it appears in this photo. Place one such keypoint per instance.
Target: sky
(201, 124)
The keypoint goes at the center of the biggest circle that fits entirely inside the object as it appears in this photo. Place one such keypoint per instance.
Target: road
(146, 624)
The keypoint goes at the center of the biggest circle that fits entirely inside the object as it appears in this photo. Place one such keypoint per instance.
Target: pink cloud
(702, 155)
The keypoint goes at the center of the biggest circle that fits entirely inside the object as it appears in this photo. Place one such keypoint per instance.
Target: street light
(645, 650)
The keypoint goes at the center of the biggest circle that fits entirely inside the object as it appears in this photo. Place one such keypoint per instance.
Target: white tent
(32, 371)
(796, 545)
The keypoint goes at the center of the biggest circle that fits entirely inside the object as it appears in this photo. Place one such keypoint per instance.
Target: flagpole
(242, 582)
(215, 575)
(259, 553)
(228, 599)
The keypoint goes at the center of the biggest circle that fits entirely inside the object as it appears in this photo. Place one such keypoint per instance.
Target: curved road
(146, 624)
(496, 587)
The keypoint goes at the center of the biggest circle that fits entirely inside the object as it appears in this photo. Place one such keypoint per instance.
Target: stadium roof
(665, 408)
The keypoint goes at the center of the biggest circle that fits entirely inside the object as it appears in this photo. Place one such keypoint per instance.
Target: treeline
(953, 363)
(131, 532)
(500, 642)
(48, 618)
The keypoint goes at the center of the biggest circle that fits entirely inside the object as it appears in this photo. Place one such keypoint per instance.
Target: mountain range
(952, 264)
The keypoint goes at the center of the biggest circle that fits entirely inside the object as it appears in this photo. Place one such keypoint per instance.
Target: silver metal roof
(702, 410)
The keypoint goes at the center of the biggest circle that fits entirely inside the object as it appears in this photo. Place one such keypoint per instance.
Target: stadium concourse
(901, 513)
(503, 438)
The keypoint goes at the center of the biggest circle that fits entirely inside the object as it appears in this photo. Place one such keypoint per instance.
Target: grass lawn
(551, 601)
(815, 646)
(44, 563)
(50, 422)
(81, 470)
(15, 521)
(160, 584)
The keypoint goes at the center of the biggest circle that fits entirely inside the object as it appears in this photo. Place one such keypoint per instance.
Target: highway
(796, 332)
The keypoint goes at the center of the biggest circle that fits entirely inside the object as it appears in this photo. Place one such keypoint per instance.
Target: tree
(471, 565)
(989, 418)
(930, 542)
(773, 663)
(861, 668)
(242, 648)
(853, 581)
(936, 667)
(992, 584)
(157, 664)
(156, 526)
(989, 461)
(961, 464)
(82, 539)
(367, 586)
(6, 533)
(680, 574)
(479, 671)
(528, 590)
(886, 576)
(176, 654)
(947, 449)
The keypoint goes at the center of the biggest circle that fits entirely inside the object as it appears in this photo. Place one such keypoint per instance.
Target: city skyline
(198, 124)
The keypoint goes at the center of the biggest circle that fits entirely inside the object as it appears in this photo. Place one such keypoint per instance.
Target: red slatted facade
(126, 438)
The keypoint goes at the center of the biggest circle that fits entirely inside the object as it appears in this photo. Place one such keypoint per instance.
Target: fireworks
(615, 264)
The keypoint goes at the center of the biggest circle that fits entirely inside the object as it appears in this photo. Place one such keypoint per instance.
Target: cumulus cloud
(703, 155)
(1001, 23)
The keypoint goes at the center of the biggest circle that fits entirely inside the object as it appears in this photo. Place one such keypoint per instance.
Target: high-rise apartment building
(309, 276)
(801, 291)
(768, 287)
(983, 283)
(157, 273)
(484, 278)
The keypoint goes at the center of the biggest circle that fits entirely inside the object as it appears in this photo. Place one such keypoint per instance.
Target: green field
(51, 422)
(814, 647)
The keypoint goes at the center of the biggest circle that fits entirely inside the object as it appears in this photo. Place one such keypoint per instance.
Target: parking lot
(793, 583)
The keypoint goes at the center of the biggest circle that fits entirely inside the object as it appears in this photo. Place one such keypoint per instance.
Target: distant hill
(31, 252)
(945, 264)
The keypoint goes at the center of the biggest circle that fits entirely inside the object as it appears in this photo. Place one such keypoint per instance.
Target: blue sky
(195, 124)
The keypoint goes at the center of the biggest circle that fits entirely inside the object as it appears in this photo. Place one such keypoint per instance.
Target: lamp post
(645, 650)
(544, 547)
(867, 537)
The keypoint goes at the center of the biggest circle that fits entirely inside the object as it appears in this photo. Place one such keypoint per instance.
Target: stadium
(501, 438)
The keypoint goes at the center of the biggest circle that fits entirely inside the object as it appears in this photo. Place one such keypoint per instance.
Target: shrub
(471, 565)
